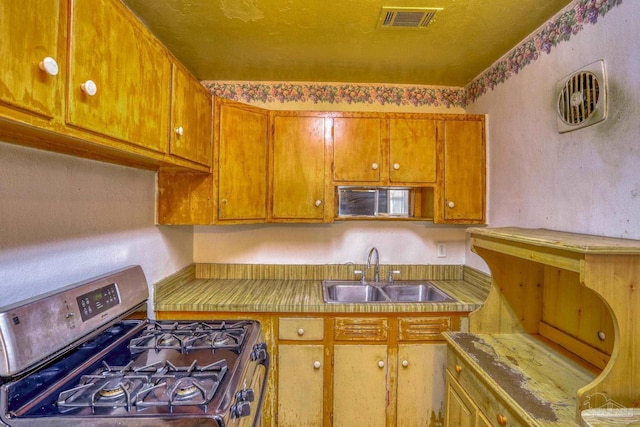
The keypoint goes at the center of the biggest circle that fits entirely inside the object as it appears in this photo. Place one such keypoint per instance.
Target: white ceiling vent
(406, 17)
(582, 98)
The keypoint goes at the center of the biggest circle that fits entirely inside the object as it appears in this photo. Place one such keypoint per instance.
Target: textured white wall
(64, 219)
(337, 243)
(584, 181)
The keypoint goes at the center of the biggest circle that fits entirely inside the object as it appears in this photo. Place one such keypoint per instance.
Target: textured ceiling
(337, 41)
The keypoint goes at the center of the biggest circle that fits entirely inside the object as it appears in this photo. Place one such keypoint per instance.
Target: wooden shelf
(579, 292)
(537, 379)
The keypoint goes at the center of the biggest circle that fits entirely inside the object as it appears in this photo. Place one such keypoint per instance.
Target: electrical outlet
(441, 251)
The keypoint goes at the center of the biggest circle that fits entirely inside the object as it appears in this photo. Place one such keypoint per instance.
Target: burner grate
(155, 385)
(188, 337)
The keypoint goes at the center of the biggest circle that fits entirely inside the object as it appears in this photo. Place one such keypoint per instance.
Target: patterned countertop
(299, 296)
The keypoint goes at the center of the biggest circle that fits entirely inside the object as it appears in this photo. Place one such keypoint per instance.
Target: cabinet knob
(49, 66)
(89, 87)
(374, 166)
(396, 166)
(179, 131)
(451, 204)
(317, 364)
(381, 364)
(405, 363)
(502, 419)
(301, 332)
(318, 203)
(224, 201)
(458, 368)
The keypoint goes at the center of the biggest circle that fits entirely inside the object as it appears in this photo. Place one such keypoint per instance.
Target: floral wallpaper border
(559, 29)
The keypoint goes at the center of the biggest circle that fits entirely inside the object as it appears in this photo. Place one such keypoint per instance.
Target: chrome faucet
(376, 269)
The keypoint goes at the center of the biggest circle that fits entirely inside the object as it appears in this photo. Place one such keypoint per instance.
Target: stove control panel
(97, 301)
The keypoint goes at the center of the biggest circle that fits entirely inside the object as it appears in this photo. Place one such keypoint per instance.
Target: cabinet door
(421, 384)
(32, 30)
(359, 385)
(464, 171)
(130, 70)
(412, 150)
(242, 163)
(191, 118)
(298, 167)
(300, 385)
(357, 149)
(460, 410)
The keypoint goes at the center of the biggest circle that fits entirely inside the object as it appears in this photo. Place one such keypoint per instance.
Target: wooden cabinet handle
(374, 166)
(396, 166)
(301, 332)
(458, 368)
(318, 203)
(89, 87)
(502, 419)
(49, 66)
(451, 204)
(179, 131)
(405, 363)
(317, 364)
(381, 364)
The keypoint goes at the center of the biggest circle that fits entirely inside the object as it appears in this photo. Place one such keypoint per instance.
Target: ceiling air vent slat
(405, 17)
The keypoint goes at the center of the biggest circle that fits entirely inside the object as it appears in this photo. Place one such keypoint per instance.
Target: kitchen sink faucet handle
(390, 276)
(363, 277)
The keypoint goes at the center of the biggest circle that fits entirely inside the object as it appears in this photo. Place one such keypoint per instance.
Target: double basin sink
(354, 291)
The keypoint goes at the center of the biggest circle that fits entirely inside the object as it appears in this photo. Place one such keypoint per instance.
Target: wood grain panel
(412, 147)
(425, 329)
(357, 145)
(355, 329)
(130, 68)
(31, 30)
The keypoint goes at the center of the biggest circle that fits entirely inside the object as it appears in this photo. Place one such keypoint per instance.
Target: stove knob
(246, 395)
(241, 409)
(259, 352)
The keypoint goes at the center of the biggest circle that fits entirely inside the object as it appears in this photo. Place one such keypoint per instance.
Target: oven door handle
(265, 361)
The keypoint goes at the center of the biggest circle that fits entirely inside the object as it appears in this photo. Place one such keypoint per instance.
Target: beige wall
(64, 219)
(584, 181)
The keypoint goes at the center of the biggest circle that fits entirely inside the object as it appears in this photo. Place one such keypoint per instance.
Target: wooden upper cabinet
(298, 173)
(191, 118)
(464, 171)
(130, 70)
(412, 150)
(357, 149)
(32, 30)
(241, 162)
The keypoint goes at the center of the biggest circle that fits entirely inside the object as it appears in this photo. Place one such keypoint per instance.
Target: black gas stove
(126, 372)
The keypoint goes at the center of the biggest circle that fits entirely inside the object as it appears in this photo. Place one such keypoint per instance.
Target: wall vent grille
(406, 18)
(582, 98)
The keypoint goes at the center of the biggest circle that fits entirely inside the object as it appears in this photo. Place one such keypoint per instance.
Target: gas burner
(114, 389)
(186, 388)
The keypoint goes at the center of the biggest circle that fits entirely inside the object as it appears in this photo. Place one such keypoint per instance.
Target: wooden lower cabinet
(461, 410)
(301, 385)
(360, 374)
(421, 384)
(351, 370)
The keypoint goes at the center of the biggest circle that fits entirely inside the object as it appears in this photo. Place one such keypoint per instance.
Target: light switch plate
(441, 251)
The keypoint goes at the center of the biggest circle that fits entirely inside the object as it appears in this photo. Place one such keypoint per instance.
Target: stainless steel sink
(352, 291)
(416, 293)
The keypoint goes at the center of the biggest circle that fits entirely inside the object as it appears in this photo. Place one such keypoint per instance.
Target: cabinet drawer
(300, 329)
(423, 328)
(494, 408)
(355, 329)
